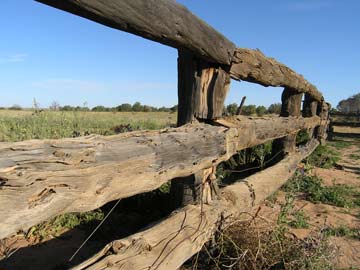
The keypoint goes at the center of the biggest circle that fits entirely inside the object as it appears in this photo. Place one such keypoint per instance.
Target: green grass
(354, 156)
(340, 144)
(26, 125)
(323, 157)
(311, 186)
(344, 231)
(288, 216)
(59, 224)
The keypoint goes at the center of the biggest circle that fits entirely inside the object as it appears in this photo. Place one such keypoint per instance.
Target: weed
(302, 137)
(314, 191)
(323, 157)
(290, 217)
(246, 246)
(300, 220)
(61, 223)
(340, 144)
(354, 156)
(343, 231)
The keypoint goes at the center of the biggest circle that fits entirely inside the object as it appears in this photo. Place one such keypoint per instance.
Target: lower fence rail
(171, 242)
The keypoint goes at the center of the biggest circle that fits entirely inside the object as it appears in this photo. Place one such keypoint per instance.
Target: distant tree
(100, 108)
(260, 110)
(333, 110)
(15, 107)
(55, 106)
(352, 104)
(67, 108)
(125, 107)
(137, 107)
(174, 108)
(231, 109)
(163, 109)
(146, 108)
(274, 108)
(249, 110)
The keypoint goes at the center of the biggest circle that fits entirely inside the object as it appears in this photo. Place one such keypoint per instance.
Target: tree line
(350, 105)
(230, 109)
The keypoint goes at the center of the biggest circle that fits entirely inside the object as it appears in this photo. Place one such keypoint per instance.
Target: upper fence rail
(172, 24)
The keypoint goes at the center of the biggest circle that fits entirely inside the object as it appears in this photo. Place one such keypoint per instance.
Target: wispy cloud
(13, 58)
(309, 5)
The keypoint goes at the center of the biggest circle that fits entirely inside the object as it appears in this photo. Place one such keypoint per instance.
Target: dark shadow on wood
(346, 135)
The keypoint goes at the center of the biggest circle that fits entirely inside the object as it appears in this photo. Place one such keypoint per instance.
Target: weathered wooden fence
(349, 121)
(42, 179)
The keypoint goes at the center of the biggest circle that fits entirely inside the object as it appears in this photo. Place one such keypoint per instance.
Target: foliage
(302, 137)
(260, 110)
(343, 231)
(64, 222)
(248, 110)
(340, 144)
(15, 107)
(351, 104)
(231, 108)
(274, 108)
(323, 157)
(313, 190)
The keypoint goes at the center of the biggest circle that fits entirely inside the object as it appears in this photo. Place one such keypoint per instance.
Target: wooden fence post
(202, 89)
(323, 112)
(291, 106)
(309, 110)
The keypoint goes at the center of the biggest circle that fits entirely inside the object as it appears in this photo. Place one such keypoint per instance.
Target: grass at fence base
(313, 190)
(324, 157)
(246, 246)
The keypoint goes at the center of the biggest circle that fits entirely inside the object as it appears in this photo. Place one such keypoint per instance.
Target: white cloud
(13, 58)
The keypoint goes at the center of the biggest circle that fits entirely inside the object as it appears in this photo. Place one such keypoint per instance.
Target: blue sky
(51, 55)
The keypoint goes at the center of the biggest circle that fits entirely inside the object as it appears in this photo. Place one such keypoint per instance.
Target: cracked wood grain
(253, 66)
(42, 179)
(164, 21)
(168, 244)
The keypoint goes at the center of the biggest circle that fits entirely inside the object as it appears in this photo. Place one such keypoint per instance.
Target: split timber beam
(171, 242)
(163, 21)
(42, 179)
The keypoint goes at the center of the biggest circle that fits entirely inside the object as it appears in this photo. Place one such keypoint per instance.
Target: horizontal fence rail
(163, 21)
(77, 175)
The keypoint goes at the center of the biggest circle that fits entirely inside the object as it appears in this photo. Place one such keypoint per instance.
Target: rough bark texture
(253, 66)
(309, 110)
(202, 88)
(291, 106)
(170, 243)
(323, 112)
(239, 109)
(42, 179)
(163, 21)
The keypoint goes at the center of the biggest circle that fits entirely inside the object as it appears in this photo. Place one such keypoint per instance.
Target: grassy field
(25, 125)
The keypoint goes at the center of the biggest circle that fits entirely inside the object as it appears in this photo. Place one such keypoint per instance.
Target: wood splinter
(210, 188)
